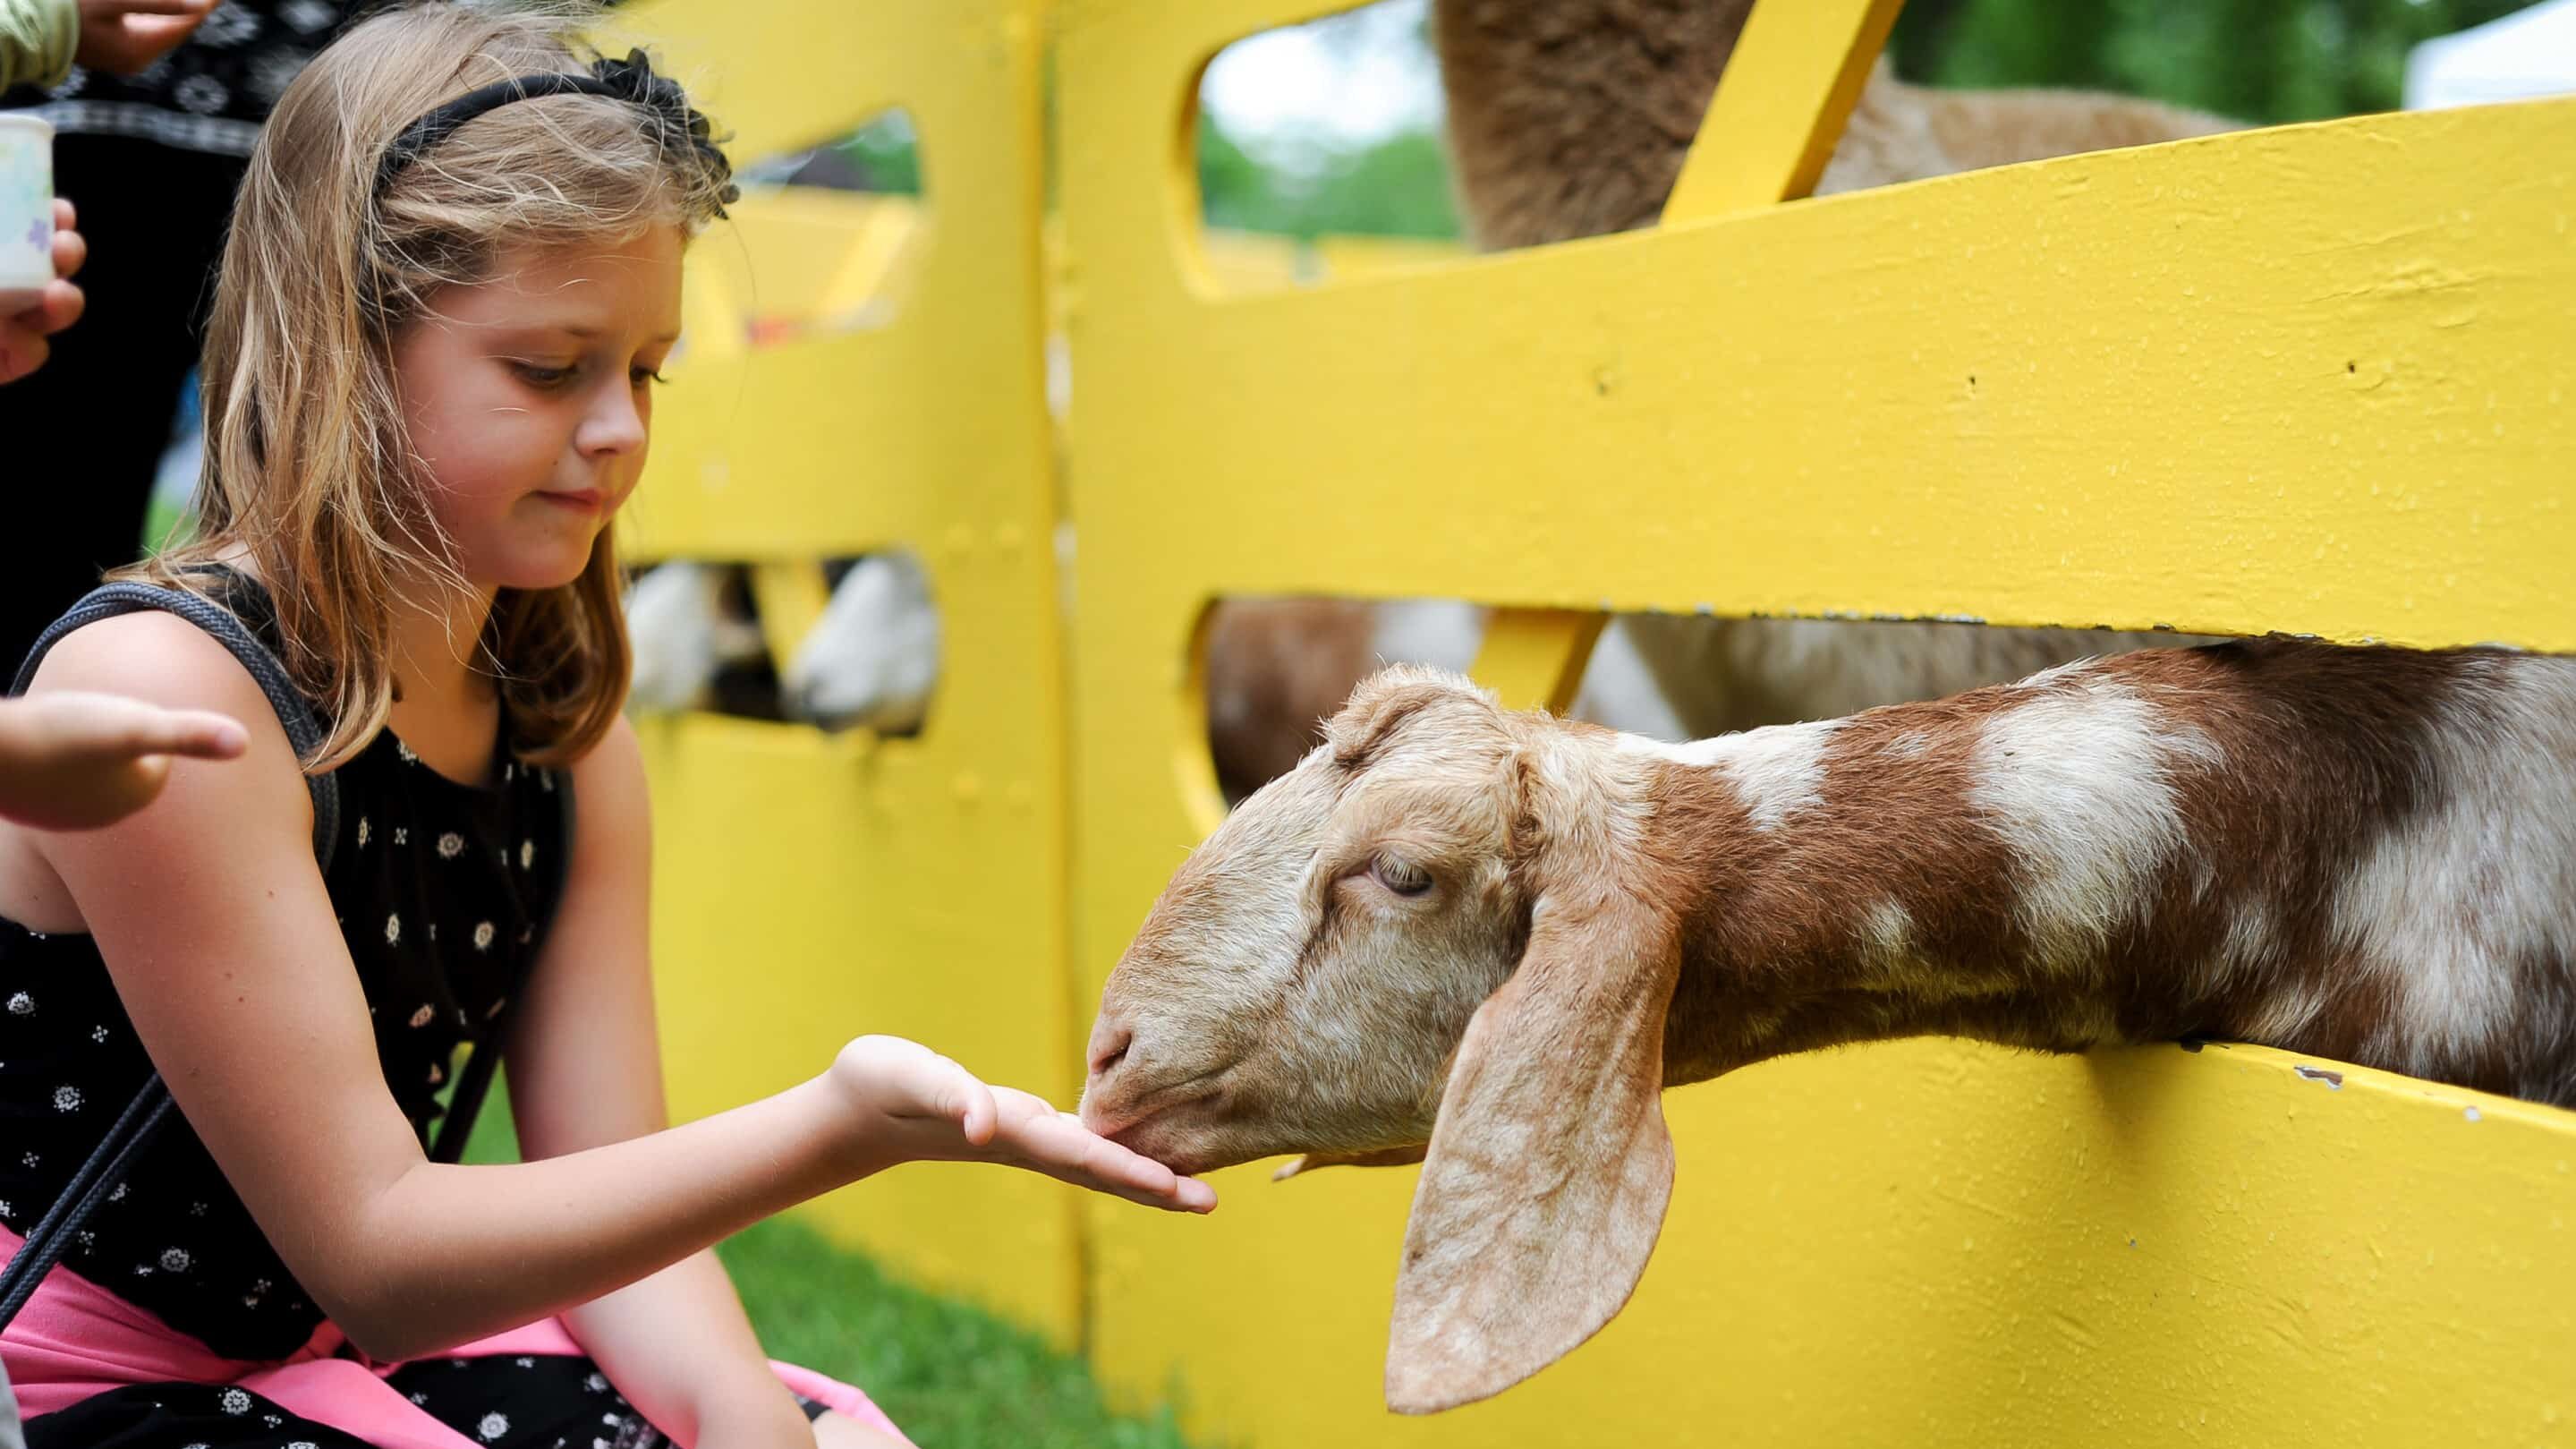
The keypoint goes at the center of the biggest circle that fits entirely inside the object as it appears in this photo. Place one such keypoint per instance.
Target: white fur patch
(1886, 927)
(2451, 900)
(1886, 935)
(2078, 784)
(873, 656)
(1777, 771)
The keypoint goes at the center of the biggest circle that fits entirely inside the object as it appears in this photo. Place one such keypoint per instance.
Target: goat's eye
(1399, 876)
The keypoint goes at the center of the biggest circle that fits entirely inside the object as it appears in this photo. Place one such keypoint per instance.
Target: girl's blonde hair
(308, 473)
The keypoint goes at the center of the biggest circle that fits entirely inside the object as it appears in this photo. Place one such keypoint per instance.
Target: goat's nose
(1110, 1039)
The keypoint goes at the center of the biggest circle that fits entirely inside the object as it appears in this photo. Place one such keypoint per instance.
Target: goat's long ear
(1550, 1164)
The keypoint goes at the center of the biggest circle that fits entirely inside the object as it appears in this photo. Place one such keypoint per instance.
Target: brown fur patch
(1276, 670)
(2325, 751)
(1570, 118)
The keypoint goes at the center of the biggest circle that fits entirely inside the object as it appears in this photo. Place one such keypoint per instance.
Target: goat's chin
(1192, 1143)
(1200, 1123)
(1183, 1138)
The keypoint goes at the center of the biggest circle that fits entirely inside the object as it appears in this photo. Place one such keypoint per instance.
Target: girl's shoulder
(154, 656)
(150, 654)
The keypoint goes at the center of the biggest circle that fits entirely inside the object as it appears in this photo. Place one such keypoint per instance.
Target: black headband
(630, 80)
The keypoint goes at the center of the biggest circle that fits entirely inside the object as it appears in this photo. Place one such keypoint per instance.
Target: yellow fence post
(1534, 658)
(1780, 105)
(791, 597)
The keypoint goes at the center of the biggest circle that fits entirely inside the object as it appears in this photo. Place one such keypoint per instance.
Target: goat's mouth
(1182, 1126)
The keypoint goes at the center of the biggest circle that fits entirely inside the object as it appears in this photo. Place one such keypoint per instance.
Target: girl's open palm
(928, 1108)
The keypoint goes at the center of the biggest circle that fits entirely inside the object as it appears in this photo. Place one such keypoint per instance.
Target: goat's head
(1441, 928)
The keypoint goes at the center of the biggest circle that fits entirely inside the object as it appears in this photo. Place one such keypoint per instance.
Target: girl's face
(529, 398)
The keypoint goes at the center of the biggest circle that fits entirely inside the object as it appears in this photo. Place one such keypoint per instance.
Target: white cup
(26, 209)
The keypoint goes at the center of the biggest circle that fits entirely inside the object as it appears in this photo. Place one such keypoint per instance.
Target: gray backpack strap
(143, 1117)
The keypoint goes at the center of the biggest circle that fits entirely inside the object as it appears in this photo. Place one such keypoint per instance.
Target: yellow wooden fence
(2311, 379)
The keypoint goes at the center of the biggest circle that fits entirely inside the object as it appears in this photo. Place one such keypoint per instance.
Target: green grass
(954, 1376)
(164, 524)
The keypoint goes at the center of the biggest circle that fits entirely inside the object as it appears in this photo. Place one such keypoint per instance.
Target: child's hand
(23, 347)
(126, 36)
(918, 1105)
(75, 761)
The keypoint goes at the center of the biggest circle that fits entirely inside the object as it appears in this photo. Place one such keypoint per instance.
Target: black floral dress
(442, 889)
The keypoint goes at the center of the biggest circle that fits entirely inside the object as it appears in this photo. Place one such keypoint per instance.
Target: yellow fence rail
(2310, 379)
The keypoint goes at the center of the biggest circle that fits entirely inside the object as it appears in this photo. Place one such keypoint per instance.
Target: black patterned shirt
(442, 890)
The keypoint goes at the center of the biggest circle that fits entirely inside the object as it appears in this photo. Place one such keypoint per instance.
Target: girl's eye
(1400, 876)
(539, 375)
(639, 376)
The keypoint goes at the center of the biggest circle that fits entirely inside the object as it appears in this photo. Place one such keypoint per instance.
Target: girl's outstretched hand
(77, 761)
(914, 1104)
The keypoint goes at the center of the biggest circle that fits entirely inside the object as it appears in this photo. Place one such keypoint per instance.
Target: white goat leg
(872, 659)
(672, 621)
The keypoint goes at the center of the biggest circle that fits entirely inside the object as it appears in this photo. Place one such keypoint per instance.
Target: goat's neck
(2228, 842)
(1822, 910)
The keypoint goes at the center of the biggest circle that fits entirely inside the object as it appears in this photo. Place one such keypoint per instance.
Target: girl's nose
(614, 425)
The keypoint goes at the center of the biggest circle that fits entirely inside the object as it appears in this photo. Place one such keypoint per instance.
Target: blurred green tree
(2257, 60)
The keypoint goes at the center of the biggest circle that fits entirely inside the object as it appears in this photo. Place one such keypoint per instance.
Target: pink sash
(75, 1339)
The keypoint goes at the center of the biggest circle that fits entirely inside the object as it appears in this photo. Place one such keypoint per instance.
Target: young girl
(428, 382)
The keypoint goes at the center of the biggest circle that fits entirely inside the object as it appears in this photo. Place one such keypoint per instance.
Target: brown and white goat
(1503, 935)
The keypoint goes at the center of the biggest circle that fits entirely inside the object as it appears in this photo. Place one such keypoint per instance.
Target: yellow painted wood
(2309, 379)
(791, 597)
(1192, 769)
(1236, 263)
(809, 889)
(1780, 104)
(2209, 385)
(1936, 1244)
(1363, 256)
(1534, 658)
(875, 277)
(1249, 261)
(807, 257)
